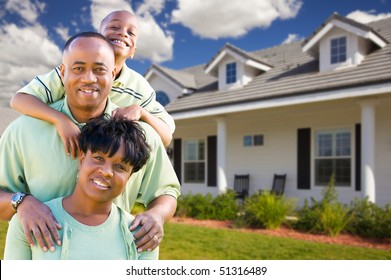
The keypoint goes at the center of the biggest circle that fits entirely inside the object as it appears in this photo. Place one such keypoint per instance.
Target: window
(253, 140)
(162, 98)
(333, 157)
(338, 50)
(194, 161)
(230, 73)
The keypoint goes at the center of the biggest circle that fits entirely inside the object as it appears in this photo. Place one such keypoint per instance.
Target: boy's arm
(136, 112)
(32, 106)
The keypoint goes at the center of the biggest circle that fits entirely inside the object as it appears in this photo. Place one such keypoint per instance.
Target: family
(91, 143)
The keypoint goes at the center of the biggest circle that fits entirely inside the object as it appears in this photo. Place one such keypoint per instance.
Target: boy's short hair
(105, 134)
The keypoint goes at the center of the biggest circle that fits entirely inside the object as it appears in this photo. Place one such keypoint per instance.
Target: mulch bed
(342, 239)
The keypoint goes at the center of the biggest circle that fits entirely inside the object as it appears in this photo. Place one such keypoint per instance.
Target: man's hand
(151, 233)
(38, 221)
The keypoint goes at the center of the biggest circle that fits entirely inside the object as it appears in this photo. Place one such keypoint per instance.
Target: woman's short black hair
(105, 134)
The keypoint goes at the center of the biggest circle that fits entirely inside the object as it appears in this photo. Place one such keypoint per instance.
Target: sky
(173, 33)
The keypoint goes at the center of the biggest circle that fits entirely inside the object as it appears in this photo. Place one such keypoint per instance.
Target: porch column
(368, 122)
(221, 154)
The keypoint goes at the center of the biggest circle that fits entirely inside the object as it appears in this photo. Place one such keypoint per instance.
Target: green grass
(3, 232)
(186, 242)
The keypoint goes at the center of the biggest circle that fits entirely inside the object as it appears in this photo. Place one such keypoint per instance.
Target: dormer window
(338, 50)
(230, 73)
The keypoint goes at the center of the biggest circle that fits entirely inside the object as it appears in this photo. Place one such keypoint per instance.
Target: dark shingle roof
(294, 72)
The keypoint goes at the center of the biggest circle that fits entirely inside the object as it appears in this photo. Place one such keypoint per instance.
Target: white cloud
(24, 53)
(63, 32)
(215, 19)
(28, 10)
(101, 8)
(153, 44)
(367, 16)
(292, 38)
(152, 6)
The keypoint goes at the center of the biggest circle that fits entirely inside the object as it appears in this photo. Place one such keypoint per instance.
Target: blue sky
(173, 33)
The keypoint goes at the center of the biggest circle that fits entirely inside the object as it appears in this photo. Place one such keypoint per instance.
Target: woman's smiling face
(103, 177)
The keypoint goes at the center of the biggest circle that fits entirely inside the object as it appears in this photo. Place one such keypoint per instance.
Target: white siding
(279, 152)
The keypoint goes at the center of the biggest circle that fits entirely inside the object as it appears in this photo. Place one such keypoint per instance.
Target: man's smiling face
(87, 72)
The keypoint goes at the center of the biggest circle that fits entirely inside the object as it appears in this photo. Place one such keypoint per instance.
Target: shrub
(326, 216)
(333, 218)
(225, 206)
(267, 210)
(198, 206)
(370, 220)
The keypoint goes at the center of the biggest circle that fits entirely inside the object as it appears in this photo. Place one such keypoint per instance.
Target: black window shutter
(304, 158)
(212, 161)
(358, 157)
(178, 158)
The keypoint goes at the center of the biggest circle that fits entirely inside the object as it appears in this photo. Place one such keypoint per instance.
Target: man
(33, 160)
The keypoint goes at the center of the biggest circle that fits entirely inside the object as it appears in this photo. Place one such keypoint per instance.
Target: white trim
(347, 27)
(285, 101)
(215, 62)
(317, 37)
(239, 58)
(257, 65)
(361, 33)
(164, 77)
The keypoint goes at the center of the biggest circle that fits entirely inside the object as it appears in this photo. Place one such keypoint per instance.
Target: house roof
(294, 73)
(211, 66)
(181, 78)
(347, 24)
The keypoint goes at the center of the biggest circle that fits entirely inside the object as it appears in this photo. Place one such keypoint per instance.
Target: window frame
(249, 140)
(231, 74)
(340, 55)
(335, 158)
(200, 161)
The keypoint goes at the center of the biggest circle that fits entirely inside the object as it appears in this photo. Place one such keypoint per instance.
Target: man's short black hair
(105, 134)
(87, 34)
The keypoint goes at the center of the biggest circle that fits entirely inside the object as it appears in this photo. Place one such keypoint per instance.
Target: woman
(93, 227)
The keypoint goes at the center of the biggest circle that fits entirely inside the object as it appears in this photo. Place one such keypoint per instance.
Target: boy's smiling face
(121, 28)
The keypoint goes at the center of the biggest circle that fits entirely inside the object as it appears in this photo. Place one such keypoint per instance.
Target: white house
(307, 109)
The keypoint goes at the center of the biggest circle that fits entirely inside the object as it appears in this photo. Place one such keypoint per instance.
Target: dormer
(235, 68)
(169, 84)
(342, 42)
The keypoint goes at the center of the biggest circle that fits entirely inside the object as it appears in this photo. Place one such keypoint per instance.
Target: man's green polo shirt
(33, 160)
(129, 88)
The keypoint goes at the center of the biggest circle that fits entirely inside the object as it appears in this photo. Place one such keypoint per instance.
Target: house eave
(337, 94)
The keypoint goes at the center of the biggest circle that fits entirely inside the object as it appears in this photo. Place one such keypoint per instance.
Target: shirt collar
(110, 107)
(123, 77)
